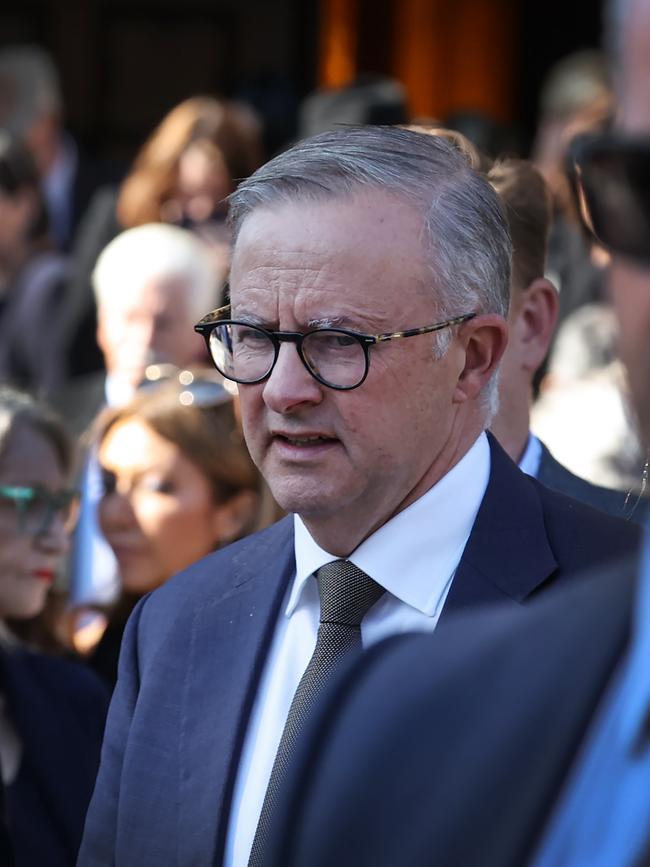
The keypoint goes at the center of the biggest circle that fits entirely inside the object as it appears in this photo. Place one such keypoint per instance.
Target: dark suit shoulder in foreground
(451, 749)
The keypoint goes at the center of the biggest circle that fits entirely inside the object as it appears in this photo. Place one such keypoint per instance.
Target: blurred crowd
(122, 458)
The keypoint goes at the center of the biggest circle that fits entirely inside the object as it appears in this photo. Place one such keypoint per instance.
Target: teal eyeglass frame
(23, 495)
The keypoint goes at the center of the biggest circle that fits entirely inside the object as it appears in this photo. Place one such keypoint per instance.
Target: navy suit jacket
(194, 650)
(555, 475)
(464, 765)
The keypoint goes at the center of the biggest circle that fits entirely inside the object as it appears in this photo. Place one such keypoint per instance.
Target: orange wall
(450, 54)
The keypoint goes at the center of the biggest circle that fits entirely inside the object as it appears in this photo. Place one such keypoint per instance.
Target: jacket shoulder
(574, 524)
(620, 504)
(218, 573)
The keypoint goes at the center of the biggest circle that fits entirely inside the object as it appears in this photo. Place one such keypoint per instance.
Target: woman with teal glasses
(51, 710)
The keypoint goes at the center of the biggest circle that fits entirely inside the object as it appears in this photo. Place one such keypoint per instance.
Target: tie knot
(346, 593)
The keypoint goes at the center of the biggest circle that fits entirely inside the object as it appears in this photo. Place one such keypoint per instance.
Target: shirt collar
(418, 550)
(532, 456)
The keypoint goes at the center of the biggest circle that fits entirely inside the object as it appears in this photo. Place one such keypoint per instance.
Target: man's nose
(290, 383)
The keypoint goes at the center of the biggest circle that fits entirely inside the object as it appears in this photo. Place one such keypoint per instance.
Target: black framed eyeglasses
(335, 357)
(36, 507)
(613, 174)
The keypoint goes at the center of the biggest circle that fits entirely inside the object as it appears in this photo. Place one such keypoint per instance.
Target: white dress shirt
(414, 557)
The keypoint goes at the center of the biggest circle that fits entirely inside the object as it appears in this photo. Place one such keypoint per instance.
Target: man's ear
(533, 324)
(483, 341)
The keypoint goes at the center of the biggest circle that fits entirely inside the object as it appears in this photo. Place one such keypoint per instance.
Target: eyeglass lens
(246, 353)
(36, 509)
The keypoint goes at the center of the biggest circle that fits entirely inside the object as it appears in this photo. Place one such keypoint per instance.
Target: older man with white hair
(151, 284)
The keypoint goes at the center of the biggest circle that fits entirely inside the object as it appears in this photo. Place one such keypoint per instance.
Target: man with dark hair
(369, 289)
(532, 318)
(509, 741)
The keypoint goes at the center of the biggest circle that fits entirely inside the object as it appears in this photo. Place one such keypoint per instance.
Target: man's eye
(251, 337)
(336, 340)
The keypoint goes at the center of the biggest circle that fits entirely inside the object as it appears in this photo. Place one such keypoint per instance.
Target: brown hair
(18, 409)
(223, 128)
(475, 158)
(208, 435)
(527, 204)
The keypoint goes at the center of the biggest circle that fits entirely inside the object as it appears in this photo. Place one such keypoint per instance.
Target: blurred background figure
(583, 411)
(178, 483)
(51, 710)
(532, 321)
(368, 99)
(32, 278)
(181, 175)
(495, 140)
(576, 98)
(151, 285)
(31, 107)
(191, 162)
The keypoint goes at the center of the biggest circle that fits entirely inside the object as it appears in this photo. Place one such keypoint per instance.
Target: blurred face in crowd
(203, 182)
(630, 281)
(152, 325)
(28, 559)
(347, 461)
(158, 513)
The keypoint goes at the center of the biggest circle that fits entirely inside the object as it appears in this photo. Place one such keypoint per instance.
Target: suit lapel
(229, 640)
(508, 554)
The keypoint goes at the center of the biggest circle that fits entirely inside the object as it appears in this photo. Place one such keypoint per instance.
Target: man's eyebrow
(327, 322)
(334, 322)
(250, 318)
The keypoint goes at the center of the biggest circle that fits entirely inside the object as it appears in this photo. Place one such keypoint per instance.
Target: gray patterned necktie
(346, 595)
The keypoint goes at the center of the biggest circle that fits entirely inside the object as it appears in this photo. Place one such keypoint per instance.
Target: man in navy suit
(369, 291)
(532, 319)
(510, 740)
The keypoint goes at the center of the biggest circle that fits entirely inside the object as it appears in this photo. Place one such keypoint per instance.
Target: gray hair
(153, 251)
(18, 409)
(29, 87)
(465, 231)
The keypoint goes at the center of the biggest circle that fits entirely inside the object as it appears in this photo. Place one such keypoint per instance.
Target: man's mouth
(306, 440)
